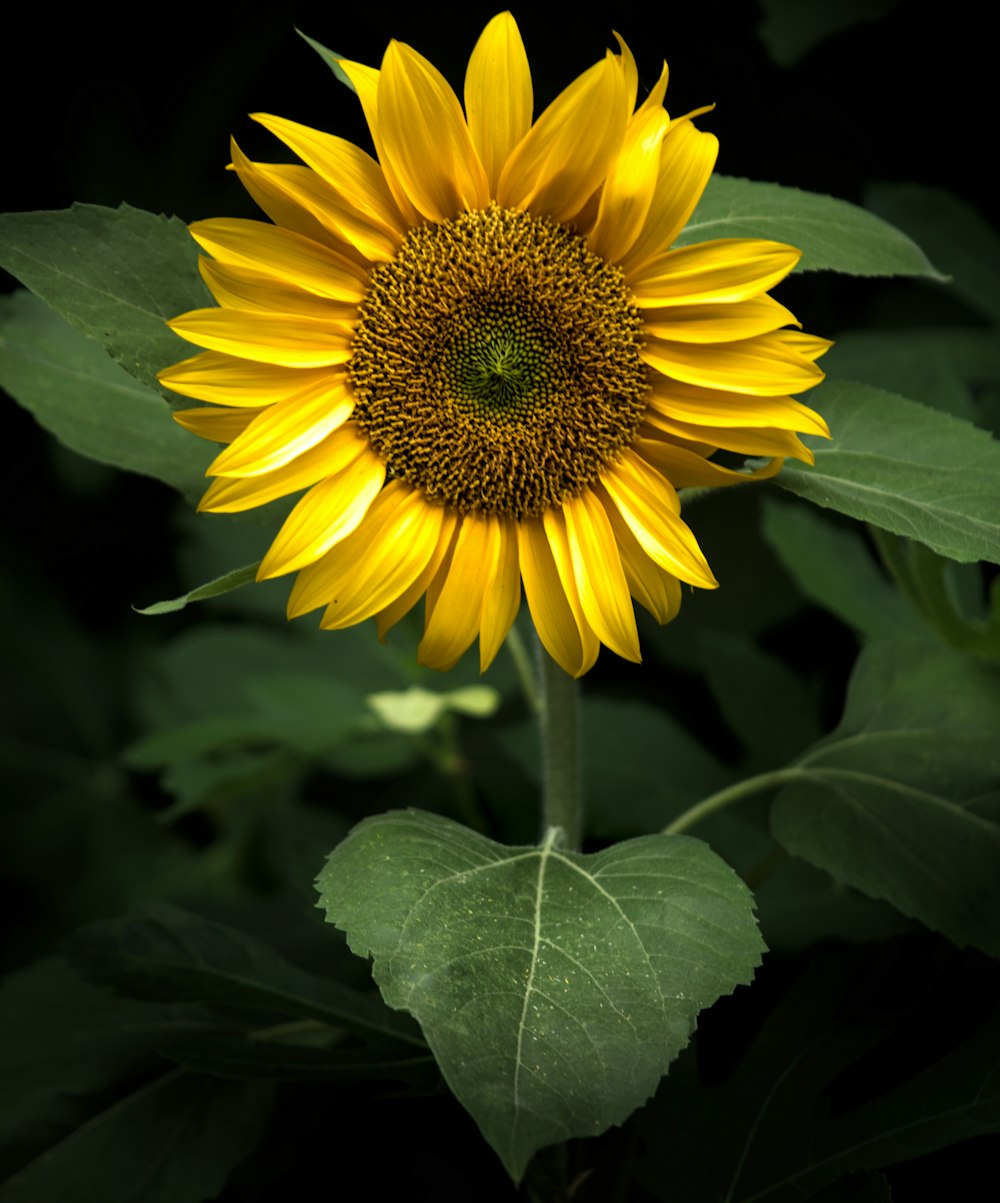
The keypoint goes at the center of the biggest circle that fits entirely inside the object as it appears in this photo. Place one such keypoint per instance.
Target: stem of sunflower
(559, 719)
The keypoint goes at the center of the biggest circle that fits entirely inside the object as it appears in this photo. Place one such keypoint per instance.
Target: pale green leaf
(832, 234)
(905, 468)
(416, 709)
(226, 583)
(902, 801)
(553, 987)
(117, 275)
(79, 394)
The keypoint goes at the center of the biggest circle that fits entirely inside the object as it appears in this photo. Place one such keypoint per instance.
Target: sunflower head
(482, 361)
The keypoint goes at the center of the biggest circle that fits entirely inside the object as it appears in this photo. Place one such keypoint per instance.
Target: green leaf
(790, 29)
(331, 59)
(832, 234)
(226, 583)
(117, 275)
(554, 988)
(776, 1130)
(164, 953)
(89, 403)
(416, 709)
(175, 1139)
(835, 569)
(902, 801)
(906, 468)
(953, 233)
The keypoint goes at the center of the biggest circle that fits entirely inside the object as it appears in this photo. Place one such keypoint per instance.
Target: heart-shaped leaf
(553, 987)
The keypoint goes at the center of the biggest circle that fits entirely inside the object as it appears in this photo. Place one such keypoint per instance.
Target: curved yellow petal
(387, 618)
(572, 647)
(232, 494)
(718, 323)
(808, 345)
(762, 366)
(713, 407)
(286, 429)
(685, 468)
(425, 138)
(651, 586)
(292, 197)
(597, 571)
(454, 618)
(687, 159)
(569, 150)
(219, 425)
(243, 288)
(396, 551)
(224, 380)
(629, 186)
(267, 337)
(754, 440)
(283, 254)
(498, 95)
(327, 514)
(728, 269)
(630, 71)
(649, 506)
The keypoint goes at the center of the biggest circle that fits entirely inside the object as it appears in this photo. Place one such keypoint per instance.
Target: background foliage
(178, 1017)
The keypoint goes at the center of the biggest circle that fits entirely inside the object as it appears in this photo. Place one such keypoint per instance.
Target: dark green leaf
(165, 953)
(331, 59)
(902, 801)
(831, 233)
(958, 238)
(175, 1140)
(554, 988)
(835, 569)
(790, 29)
(906, 468)
(90, 404)
(117, 275)
(226, 583)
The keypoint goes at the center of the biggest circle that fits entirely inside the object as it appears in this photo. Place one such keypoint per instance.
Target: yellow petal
(498, 96)
(717, 323)
(366, 212)
(755, 440)
(598, 573)
(712, 407)
(243, 288)
(266, 337)
(630, 71)
(656, 93)
(805, 344)
(569, 150)
(396, 550)
(454, 619)
(283, 193)
(554, 619)
(687, 159)
(628, 188)
(219, 425)
(762, 366)
(232, 494)
(425, 138)
(286, 429)
(224, 380)
(327, 514)
(503, 596)
(650, 585)
(649, 505)
(685, 468)
(728, 269)
(392, 613)
(283, 254)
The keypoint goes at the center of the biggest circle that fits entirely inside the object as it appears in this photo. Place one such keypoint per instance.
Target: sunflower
(482, 360)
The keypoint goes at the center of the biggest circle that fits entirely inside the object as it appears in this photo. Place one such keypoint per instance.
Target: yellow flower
(482, 359)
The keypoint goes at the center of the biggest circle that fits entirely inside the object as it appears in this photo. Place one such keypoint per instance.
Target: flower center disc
(496, 363)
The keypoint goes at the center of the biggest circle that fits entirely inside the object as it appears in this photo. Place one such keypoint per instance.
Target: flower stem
(733, 793)
(559, 718)
(521, 656)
